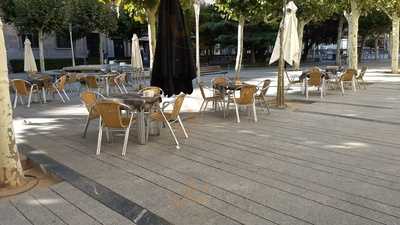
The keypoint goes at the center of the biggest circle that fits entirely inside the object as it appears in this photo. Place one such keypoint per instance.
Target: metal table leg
(141, 127)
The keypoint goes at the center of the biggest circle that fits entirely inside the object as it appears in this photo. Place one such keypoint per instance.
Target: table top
(306, 74)
(135, 100)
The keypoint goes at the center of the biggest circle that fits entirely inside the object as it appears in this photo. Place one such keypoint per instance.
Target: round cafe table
(141, 104)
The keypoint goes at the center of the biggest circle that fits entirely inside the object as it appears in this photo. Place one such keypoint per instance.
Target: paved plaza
(325, 162)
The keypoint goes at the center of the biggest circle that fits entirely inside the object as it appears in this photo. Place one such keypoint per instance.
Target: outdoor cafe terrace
(321, 161)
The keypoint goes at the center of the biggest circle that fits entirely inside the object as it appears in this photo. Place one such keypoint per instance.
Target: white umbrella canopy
(136, 59)
(29, 59)
(291, 46)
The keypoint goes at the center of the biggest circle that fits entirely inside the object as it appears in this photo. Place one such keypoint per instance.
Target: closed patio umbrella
(29, 59)
(173, 69)
(136, 60)
(291, 48)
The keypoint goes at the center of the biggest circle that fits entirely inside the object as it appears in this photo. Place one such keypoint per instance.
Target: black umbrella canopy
(173, 68)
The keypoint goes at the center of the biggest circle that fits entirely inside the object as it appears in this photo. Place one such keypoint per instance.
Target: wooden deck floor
(334, 161)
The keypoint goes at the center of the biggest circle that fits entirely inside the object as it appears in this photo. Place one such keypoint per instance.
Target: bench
(212, 70)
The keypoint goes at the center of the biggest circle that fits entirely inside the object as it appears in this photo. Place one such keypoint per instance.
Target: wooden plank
(69, 213)
(9, 215)
(90, 206)
(37, 212)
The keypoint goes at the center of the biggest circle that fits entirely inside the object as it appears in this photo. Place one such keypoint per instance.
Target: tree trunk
(390, 46)
(280, 90)
(361, 52)
(11, 173)
(355, 15)
(377, 48)
(41, 51)
(239, 55)
(101, 48)
(151, 27)
(339, 42)
(300, 31)
(253, 56)
(395, 43)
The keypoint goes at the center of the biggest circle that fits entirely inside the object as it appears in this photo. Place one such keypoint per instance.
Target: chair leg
(59, 94)
(44, 95)
(266, 104)
(237, 113)
(30, 97)
(108, 135)
(255, 111)
(201, 107)
(123, 86)
(86, 127)
(15, 100)
(306, 89)
(342, 87)
(183, 128)
(206, 106)
(171, 130)
(127, 136)
(99, 137)
(66, 95)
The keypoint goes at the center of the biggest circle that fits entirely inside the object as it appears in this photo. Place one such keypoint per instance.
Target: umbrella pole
(72, 45)
(196, 6)
(280, 95)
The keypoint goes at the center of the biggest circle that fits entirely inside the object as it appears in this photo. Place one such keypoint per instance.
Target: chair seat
(158, 116)
(125, 121)
(241, 102)
(213, 98)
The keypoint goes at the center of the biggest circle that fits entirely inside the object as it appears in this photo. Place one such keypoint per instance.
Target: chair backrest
(60, 83)
(219, 81)
(110, 112)
(71, 77)
(348, 75)
(88, 98)
(315, 77)
(265, 87)
(21, 87)
(177, 106)
(155, 90)
(91, 82)
(362, 73)
(120, 79)
(247, 93)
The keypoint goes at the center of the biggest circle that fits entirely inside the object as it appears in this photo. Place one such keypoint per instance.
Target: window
(63, 41)
(33, 38)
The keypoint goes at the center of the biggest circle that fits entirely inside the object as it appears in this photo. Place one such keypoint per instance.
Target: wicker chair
(261, 96)
(247, 98)
(59, 88)
(119, 81)
(154, 90)
(360, 78)
(89, 99)
(291, 81)
(172, 117)
(112, 118)
(349, 76)
(91, 83)
(216, 99)
(315, 80)
(24, 88)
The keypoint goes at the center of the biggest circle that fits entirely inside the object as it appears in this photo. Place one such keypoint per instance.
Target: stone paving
(330, 161)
